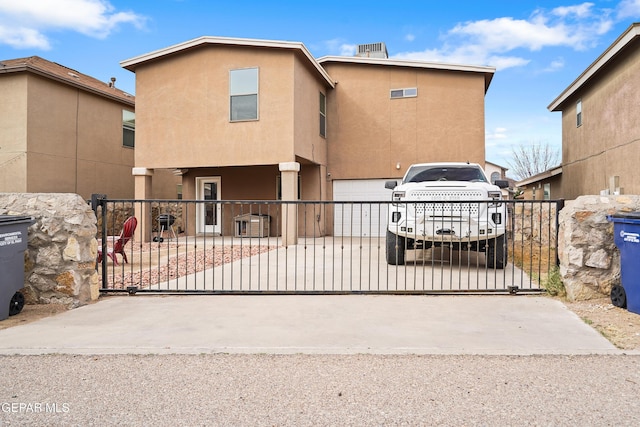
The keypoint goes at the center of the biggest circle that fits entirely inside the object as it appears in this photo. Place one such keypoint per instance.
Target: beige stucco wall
(608, 142)
(369, 133)
(183, 110)
(309, 144)
(75, 142)
(535, 190)
(13, 137)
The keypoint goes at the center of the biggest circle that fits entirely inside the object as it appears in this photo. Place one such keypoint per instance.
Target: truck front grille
(445, 203)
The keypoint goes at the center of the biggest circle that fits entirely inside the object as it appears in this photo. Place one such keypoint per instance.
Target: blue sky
(538, 47)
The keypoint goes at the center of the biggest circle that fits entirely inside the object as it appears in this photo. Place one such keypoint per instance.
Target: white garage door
(367, 219)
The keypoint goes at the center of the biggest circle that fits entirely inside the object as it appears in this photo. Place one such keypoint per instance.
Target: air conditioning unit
(372, 50)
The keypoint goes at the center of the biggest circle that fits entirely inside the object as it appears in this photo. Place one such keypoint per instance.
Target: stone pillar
(289, 186)
(143, 178)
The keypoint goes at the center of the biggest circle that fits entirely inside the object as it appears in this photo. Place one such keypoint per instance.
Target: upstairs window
(323, 115)
(579, 113)
(410, 92)
(243, 93)
(128, 128)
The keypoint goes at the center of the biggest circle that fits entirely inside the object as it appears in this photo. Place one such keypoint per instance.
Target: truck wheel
(395, 249)
(496, 255)
(618, 296)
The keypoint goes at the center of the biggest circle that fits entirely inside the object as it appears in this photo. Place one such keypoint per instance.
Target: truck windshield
(449, 173)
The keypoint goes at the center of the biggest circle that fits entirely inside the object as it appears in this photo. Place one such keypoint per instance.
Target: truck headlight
(397, 196)
(495, 195)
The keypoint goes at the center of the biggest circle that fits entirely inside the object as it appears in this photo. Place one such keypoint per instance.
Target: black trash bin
(626, 235)
(13, 243)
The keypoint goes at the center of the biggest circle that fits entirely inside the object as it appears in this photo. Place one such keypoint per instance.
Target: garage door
(367, 219)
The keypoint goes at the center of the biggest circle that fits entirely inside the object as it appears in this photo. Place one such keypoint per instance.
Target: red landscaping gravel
(177, 265)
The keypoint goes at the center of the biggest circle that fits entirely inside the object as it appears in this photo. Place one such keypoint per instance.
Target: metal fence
(246, 247)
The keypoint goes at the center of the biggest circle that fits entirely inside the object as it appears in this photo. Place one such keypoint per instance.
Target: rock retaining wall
(62, 248)
(589, 258)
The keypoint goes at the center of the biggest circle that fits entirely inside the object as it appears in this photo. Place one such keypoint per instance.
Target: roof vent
(74, 75)
(372, 50)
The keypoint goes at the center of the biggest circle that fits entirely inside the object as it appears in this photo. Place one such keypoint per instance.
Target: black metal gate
(248, 247)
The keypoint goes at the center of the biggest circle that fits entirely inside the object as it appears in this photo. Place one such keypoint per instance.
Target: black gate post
(559, 207)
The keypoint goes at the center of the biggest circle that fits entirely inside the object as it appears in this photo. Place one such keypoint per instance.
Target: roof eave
(132, 63)
(52, 76)
(539, 177)
(486, 70)
(616, 47)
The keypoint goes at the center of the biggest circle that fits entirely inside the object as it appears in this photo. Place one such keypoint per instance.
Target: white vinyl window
(128, 128)
(410, 92)
(243, 94)
(579, 113)
(323, 115)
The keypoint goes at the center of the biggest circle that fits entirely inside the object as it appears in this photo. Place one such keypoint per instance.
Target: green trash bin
(13, 243)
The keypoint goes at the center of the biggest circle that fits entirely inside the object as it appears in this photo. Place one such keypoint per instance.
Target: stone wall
(118, 212)
(62, 248)
(589, 258)
(534, 221)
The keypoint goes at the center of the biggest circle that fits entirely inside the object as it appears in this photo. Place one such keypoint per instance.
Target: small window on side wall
(579, 113)
(410, 92)
(323, 115)
(128, 129)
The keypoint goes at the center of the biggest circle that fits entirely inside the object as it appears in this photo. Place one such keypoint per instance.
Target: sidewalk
(327, 324)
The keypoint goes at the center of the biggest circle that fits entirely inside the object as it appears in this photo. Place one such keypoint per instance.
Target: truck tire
(496, 255)
(395, 249)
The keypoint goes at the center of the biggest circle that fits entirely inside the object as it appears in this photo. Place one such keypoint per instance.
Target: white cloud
(581, 10)
(628, 9)
(23, 38)
(507, 42)
(409, 37)
(339, 47)
(496, 134)
(555, 65)
(348, 49)
(27, 22)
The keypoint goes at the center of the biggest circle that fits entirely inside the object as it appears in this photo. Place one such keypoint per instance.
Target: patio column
(289, 187)
(142, 181)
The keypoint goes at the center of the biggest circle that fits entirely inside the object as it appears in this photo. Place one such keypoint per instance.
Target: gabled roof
(497, 165)
(65, 75)
(132, 63)
(632, 33)
(487, 71)
(541, 176)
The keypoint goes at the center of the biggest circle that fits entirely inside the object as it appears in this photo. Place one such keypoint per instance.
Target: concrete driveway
(311, 324)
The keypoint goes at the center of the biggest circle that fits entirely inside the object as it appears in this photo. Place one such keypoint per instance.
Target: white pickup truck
(451, 204)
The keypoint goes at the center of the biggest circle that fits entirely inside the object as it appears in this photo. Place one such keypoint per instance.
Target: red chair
(128, 228)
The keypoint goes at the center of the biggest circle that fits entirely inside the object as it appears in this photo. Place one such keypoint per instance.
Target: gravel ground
(307, 390)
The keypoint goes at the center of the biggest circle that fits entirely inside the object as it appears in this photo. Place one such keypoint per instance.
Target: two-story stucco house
(601, 123)
(246, 119)
(64, 131)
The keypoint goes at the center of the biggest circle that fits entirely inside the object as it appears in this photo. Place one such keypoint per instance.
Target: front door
(209, 217)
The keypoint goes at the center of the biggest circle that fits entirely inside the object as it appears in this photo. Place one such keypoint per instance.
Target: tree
(531, 159)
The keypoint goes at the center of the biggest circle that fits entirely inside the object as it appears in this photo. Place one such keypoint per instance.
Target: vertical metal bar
(559, 207)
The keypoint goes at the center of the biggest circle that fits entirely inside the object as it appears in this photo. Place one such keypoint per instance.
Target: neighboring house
(543, 186)
(495, 172)
(254, 119)
(64, 131)
(601, 123)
